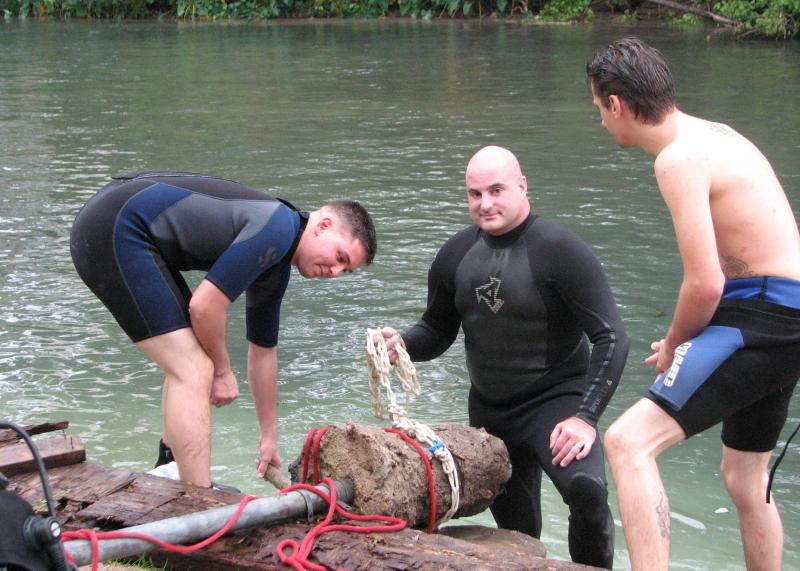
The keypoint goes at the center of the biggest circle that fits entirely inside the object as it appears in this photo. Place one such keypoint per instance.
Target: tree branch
(692, 10)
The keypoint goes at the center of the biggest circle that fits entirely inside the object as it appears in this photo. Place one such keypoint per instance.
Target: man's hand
(267, 454)
(571, 439)
(393, 339)
(662, 356)
(224, 389)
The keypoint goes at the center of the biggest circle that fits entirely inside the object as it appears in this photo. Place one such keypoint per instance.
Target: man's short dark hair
(359, 222)
(638, 74)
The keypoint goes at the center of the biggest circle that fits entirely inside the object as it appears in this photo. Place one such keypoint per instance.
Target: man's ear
(323, 224)
(615, 105)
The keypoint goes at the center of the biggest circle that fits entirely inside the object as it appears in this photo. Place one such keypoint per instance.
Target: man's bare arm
(685, 184)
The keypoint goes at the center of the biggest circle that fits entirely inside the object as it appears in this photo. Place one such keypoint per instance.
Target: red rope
(297, 557)
(428, 471)
(311, 454)
(311, 451)
(94, 536)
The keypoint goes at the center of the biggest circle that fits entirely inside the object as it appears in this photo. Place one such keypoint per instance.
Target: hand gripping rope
(379, 367)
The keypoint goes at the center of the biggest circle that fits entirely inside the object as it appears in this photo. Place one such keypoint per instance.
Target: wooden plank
(406, 549)
(8, 436)
(59, 451)
(149, 498)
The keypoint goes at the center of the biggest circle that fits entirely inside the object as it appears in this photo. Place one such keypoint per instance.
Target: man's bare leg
(633, 443)
(185, 401)
(745, 475)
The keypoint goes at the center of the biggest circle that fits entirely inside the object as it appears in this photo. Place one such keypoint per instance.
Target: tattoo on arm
(662, 512)
(723, 129)
(735, 268)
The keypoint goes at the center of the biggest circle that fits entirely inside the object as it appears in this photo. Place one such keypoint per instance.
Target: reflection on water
(384, 112)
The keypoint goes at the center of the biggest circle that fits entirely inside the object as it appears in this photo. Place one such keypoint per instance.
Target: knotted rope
(379, 368)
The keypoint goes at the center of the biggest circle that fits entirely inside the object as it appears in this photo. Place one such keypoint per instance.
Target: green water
(387, 112)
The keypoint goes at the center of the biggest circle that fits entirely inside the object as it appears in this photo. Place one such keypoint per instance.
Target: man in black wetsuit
(133, 239)
(531, 298)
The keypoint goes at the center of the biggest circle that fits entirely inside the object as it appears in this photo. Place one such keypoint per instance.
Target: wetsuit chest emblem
(490, 294)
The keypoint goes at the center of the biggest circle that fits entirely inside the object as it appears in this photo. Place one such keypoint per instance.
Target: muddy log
(390, 477)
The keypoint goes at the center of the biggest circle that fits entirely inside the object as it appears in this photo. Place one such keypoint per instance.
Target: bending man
(528, 293)
(133, 239)
(732, 351)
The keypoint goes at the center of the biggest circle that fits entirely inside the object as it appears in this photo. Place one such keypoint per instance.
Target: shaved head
(495, 159)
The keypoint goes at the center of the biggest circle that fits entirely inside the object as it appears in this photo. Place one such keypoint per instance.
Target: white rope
(378, 368)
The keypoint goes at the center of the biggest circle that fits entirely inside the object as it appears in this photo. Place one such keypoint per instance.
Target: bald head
(494, 159)
(497, 191)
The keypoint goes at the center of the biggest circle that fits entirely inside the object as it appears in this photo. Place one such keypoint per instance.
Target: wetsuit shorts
(741, 369)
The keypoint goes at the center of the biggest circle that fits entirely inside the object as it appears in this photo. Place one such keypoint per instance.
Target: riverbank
(779, 19)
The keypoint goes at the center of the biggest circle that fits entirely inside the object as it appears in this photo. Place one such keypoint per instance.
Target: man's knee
(746, 484)
(587, 493)
(617, 442)
(640, 435)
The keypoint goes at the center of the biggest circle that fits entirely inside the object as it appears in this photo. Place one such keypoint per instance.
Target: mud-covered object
(390, 477)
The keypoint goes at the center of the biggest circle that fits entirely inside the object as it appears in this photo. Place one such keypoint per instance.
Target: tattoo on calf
(662, 512)
(735, 268)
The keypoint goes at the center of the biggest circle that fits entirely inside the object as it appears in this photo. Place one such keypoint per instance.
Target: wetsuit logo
(489, 293)
(680, 354)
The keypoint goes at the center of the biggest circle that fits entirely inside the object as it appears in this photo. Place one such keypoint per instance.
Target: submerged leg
(633, 443)
(745, 475)
(185, 401)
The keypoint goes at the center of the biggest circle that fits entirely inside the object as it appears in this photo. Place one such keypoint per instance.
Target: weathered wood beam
(109, 498)
(9, 436)
(61, 451)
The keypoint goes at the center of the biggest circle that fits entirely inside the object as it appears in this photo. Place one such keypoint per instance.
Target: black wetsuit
(530, 303)
(132, 240)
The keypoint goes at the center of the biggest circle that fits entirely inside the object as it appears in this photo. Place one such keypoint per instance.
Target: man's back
(754, 226)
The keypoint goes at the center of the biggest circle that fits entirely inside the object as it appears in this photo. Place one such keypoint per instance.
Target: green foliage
(565, 10)
(80, 8)
(773, 18)
(688, 20)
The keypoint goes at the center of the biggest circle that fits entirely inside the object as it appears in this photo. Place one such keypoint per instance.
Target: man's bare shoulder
(722, 130)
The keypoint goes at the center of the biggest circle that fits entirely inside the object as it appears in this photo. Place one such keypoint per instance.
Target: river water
(386, 112)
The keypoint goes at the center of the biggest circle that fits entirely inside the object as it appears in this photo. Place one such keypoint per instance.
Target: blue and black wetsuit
(530, 303)
(741, 369)
(133, 239)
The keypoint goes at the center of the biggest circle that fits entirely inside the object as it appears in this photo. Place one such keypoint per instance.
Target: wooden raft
(111, 498)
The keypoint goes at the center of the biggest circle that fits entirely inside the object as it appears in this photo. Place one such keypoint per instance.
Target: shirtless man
(133, 239)
(732, 351)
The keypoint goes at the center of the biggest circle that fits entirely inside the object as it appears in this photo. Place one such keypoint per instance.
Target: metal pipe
(191, 528)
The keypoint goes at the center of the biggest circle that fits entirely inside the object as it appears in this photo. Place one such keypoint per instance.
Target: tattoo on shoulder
(662, 511)
(735, 268)
(722, 129)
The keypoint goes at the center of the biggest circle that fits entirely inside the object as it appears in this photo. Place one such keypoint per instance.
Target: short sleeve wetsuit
(530, 302)
(133, 239)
